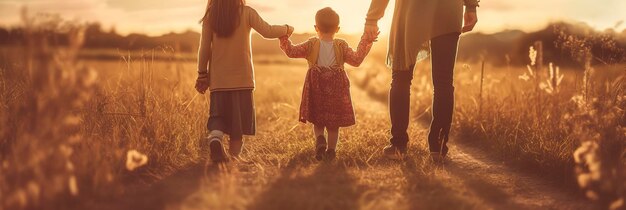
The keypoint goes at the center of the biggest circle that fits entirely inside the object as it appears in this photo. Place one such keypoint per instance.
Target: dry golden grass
(67, 127)
(536, 122)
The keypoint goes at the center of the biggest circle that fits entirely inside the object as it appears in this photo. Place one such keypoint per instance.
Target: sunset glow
(162, 16)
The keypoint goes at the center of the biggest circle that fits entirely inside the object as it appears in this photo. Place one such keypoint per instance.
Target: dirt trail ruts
(499, 186)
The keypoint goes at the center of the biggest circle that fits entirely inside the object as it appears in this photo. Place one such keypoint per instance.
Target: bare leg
(333, 137)
(235, 146)
(320, 141)
(318, 130)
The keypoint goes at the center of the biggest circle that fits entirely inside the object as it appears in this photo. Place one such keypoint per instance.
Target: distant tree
(4, 36)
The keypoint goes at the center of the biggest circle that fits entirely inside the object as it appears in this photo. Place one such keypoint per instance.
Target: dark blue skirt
(232, 112)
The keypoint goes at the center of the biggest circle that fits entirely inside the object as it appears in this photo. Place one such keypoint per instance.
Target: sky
(156, 17)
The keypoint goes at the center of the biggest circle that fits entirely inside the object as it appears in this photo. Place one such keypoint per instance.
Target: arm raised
(375, 13)
(265, 29)
(294, 51)
(355, 58)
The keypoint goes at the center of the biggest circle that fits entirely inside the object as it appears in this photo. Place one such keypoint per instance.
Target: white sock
(216, 134)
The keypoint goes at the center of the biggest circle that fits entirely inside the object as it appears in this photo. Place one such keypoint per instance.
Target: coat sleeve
(355, 58)
(265, 29)
(295, 51)
(376, 11)
(205, 51)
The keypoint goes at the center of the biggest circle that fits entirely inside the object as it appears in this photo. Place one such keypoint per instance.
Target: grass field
(89, 134)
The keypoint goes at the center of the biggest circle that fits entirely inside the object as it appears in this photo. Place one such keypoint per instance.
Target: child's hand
(290, 30)
(371, 37)
(202, 83)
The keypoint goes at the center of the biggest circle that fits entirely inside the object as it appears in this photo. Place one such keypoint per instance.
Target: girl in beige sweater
(225, 68)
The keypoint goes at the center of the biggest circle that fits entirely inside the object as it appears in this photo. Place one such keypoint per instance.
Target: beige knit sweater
(229, 60)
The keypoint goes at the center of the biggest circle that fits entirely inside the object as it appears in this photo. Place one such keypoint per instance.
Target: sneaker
(394, 152)
(320, 148)
(331, 154)
(216, 149)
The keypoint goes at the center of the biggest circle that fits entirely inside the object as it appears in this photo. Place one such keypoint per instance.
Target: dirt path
(281, 173)
(498, 186)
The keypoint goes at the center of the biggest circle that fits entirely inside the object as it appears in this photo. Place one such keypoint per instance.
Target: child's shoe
(216, 148)
(320, 148)
(394, 152)
(331, 154)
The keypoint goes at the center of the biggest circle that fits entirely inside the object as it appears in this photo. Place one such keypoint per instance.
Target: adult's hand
(469, 21)
(202, 82)
(371, 30)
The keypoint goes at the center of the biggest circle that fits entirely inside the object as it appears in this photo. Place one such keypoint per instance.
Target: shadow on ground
(171, 190)
(326, 185)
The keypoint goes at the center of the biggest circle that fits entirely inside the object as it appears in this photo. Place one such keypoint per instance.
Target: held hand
(290, 30)
(370, 37)
(202, 83)
(371, 31)
(469, 21)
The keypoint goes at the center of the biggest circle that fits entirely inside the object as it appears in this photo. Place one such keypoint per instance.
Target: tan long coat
(415, 22)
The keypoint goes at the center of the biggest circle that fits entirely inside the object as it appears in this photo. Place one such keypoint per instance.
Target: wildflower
(618, 204)
(546, 87)
(33, 189)
(592, 195)
(579, 101)
(524, 77)
(66, 150)
(72, 120)
(584, 180)
(69, 166)
(527, 75)
(134, 160)
(73, 186)
(532, 54)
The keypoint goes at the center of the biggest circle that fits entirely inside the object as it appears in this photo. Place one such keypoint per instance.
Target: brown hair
(224, 16)
(327, 20)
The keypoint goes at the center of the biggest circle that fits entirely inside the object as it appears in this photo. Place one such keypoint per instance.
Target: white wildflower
(532, 54)
(579, 101)
(524, 77)
(135, 159)
(73, 186)
(584, 180)
(618, 204)
(592, 195)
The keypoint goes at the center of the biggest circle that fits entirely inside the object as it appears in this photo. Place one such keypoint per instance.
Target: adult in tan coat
(423, 28)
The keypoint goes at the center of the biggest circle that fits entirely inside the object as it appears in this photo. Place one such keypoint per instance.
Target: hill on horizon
(494, 48)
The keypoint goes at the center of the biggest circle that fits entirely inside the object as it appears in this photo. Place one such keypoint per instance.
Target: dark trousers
(443, 58)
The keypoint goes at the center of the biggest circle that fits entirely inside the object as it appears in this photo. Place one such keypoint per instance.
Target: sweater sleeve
(355, 58)
(294, 51)
(470, 5)
(265, 29)
(205, 51)
(376, 11)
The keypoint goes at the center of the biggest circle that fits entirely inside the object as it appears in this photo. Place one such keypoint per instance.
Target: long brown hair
(224, 16)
